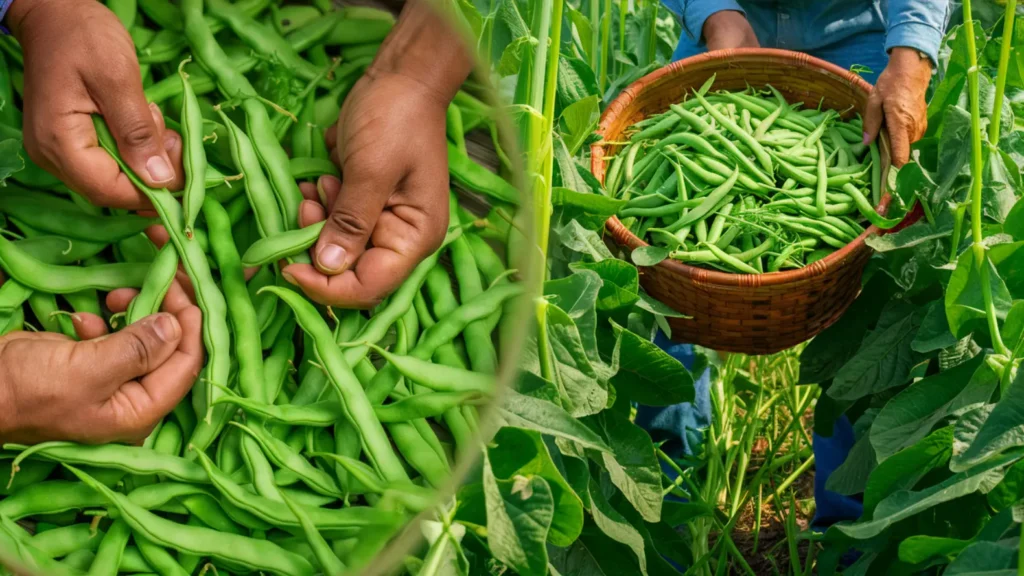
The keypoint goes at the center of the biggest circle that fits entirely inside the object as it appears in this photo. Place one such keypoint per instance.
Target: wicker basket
(747, 313)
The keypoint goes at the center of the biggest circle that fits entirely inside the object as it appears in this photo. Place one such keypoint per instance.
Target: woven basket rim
(837, 259)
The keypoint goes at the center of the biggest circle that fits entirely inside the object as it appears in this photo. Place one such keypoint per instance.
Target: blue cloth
(844, 32)
(4, 5)
(829, 453)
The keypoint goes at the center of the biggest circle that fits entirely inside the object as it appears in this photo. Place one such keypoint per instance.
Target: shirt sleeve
(695, 12)
(917, 24)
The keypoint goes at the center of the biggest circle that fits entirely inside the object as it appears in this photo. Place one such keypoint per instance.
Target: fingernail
(159, 170)
(867, 139)
(164, 328)
(288, 278)
(171, 141)
(320, 191)
(332, 257)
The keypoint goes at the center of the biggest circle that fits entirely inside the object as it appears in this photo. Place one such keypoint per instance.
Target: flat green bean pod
(57, 279)
(154, 288)
(48, 213)
(311, 168)
(270, 249)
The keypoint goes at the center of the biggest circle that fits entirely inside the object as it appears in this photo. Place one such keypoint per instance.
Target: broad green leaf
(905, 468)
(965, 307)
(519, 514)
(1011, 490)
(852, 475)
(934, 333)
(647, 374)
(566, 176)
(649, 255)
(1013, 328)
(580, 119)
(1014, 223)
(1008, 259)
(615, 526)
(822, 358)
(582, 27)
(954, 151)
(576, 377)
(579, 239)
(1002, 430)
(576, 82)
(681, 513)
(514, 54)
(515, 452)
(914, 235)
(918, 549)
(911, 414)
(985, 559)
(904, 504)
(527, 412)
(620, 283)
(632, 464)
(884, 359)
(11, 160)
(580, 560)
(1002, 179)
(648, 303)
(577, 295)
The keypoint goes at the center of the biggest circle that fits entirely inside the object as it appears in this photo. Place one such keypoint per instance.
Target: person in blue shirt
(898, 42)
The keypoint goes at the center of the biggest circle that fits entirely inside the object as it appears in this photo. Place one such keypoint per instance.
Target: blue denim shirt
(815, 26)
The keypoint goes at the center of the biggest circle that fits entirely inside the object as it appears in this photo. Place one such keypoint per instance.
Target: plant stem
(606, 38)
(1004, 62)
(980, 259)
(595, 38)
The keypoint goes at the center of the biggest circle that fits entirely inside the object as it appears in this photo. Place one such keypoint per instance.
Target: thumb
(139, 131)
(872, 117)
(128, 354)
(353, 216)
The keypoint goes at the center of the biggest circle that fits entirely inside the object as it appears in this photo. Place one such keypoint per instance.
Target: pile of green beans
(313, 434)
(746, 182)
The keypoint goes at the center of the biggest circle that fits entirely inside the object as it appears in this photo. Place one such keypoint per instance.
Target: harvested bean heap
(746, 182)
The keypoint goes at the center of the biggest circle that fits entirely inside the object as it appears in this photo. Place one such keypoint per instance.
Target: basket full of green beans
(745, 193)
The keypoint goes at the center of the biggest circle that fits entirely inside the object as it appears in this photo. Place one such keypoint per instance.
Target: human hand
(898, 98)
(729, 29)
(80, 61)
(391, 209)
(107, 387)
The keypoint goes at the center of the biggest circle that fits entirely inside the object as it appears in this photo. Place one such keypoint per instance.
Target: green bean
(111, 550)
(730, 260)
(49, 497)
(755, 147)
(201, 81)
(867, 211)
(419, 454)
(53, 215)
(44, 307)
(876, 174)
(57, 279)
(132, 562)
(822, 182)
(157, 283)
(14, 541)
(329, 563)
(718, 225)
(357, 408)
(257, 188)
(475, 178)
(59, 249)
(63, 540)
(193, 154)
(312, 32)
(358, 31)
(131, 459)
(158, 558)
(438, 377)
(280, 246)
(248, 552)
(282, 455)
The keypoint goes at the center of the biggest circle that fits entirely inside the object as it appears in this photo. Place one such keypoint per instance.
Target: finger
(331, 136)
(137, 404)
(118, 300)
(190, 319)
(308, 190)
(172, 144)
(872, 117)
(311, 212)
(89, 326)
(140, 138)
(134, 351)
(899, 139)
(352, 217)
(377, 273)
(148, 213)
(158, 235)
(327, 188)
(72, 151)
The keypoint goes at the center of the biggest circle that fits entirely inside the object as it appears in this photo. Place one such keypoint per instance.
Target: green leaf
(632, 464)
(1013, 328)
(884, 359)
(914, 235)
(1010, 491)
(852, 475)
(577, 295)
(904, 469)
(911, 414)
(519, 515)
(615, 526)
(647, 374)
(583, 28)
(985, 559)
(620, 283)
(10, 159)
(825, 355)
(1001, 431)
(918, 548)
(579, 239)
(528, 412)
(934, 333)
(580, 119)
(676, 513)
(575, 375)
(575, 82)
(904, 504)
(517, 452)
(965, 306)
(649, 255)
(1014, 223)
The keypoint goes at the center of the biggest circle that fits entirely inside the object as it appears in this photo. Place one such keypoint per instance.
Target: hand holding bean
(391, 209)
(105, 388)
(898, 99)
(79, 61)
